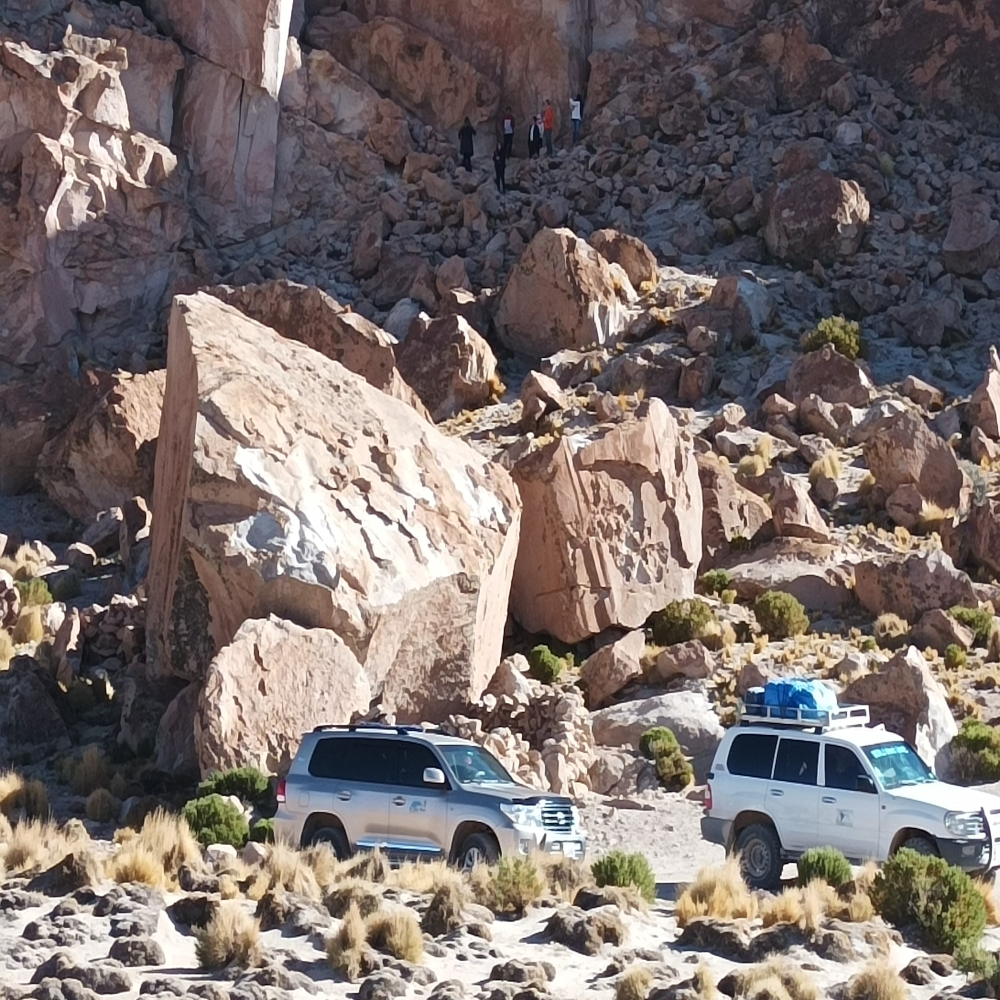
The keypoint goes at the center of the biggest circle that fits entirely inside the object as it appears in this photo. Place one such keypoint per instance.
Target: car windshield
(474, 765)
(898, 764)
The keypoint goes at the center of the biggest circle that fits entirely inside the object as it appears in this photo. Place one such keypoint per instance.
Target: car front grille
(557, 816)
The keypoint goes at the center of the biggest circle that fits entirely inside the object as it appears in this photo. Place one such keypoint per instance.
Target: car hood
(950, 798)
(514, 792)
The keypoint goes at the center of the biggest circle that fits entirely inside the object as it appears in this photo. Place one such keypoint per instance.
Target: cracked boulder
(287, 485)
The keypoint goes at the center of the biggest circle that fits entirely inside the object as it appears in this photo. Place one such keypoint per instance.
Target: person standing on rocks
(576, 114)
(466, 146)
(508, 134)
(549, 122)
(500, 166)
(535, 137)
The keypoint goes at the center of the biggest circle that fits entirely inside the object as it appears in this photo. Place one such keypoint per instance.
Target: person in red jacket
(549, 124)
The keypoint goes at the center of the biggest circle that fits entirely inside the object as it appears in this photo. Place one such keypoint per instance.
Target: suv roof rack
(844, 717)
(378, 726)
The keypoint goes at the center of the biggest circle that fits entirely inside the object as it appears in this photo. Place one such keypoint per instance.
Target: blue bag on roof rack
(796, 698)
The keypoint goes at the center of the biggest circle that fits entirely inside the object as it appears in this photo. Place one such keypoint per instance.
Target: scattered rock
(608, 670)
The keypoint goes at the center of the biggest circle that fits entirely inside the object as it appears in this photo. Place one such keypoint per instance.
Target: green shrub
(249, 785)
(715, 581)
(33, 592)
(954, 657)
(544, 665)
(843, 334)
(780, 615)
(826, 863)
(975, 752)
(262, 831)
(978, 619)
(682, 621)
(514, 884)
(980, 966)
(672, 767)
(926, 893)
(214, 820)
(622, 870)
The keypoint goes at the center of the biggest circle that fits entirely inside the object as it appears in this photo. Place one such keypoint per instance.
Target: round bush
(262, 831)
(250, 786)
(826, 863)
(978, 619)
(682, 621)
(652, 738)
(954, 657)
(672, 767)
(938, 900)
(715, 581)
(215, 820)
(780, 615)
(622, 870)
(544, 665)
(843, 334)
(975, 751)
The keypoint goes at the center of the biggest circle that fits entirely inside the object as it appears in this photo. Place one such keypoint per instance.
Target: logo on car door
(418, 806)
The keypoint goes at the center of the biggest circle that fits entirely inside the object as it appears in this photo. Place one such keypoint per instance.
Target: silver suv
(416, 793)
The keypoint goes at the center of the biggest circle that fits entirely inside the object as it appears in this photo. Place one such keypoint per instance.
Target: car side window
(415, 758)
(336, 757)
(842, 768)
(381, 761)
(752, 755)
(797, 762)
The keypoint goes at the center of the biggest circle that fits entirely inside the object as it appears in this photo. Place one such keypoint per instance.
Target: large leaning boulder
(912, 586)
(307, 314)
(257, 700)
(562, 294)
(612, 526)
(287, 485)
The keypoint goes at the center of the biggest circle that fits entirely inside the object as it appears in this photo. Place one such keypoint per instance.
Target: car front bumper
(969, 855)
(524, 840)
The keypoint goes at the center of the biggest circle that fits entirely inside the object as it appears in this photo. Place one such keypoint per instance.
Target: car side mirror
(864, 784)
(433, 776)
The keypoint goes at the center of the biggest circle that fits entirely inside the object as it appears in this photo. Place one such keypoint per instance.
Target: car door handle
(828, 799)
(344, 796)
(399, 801)
(777, 792)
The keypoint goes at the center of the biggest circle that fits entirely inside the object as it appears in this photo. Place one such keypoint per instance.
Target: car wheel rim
(472, 857)
(756, 859)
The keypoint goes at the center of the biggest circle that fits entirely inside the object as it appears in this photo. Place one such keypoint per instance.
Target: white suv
(416, 793)
(779, 786)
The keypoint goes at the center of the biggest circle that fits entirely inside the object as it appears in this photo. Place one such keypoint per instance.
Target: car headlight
(965, 825)
(522, 814)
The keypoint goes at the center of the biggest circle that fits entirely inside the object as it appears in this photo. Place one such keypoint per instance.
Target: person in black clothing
(465, 144)
(500, 166)
(535, 137)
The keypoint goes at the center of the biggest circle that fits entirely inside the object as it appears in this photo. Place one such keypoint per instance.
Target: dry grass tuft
(136, 863)
(170, 839)
(24, 564)
(397, 933)
(988, 892)
(827, 466)
(324, 864)
(777, 978)
(232, 937)
(705, 984)
(102, 806)
(876, 981)
(717, 892)
(287, 869)
(6, 649)
(118, 786)
(228, 887)
(564, 876)
(785, 908)
(444, 912)
(28, 627)
(90, 773)
(369, 866)
(634, 984)
(807, 907)
(19, 797)
(345, 950)
(860, 908)
(37, 844)
(424, 877)
(353, 893)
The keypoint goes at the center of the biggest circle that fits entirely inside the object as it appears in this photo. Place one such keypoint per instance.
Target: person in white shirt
(576, 115)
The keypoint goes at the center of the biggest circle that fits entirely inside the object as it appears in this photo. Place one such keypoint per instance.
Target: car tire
(922, 845)
(477, 849)
(759, 851)
(335, 837)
